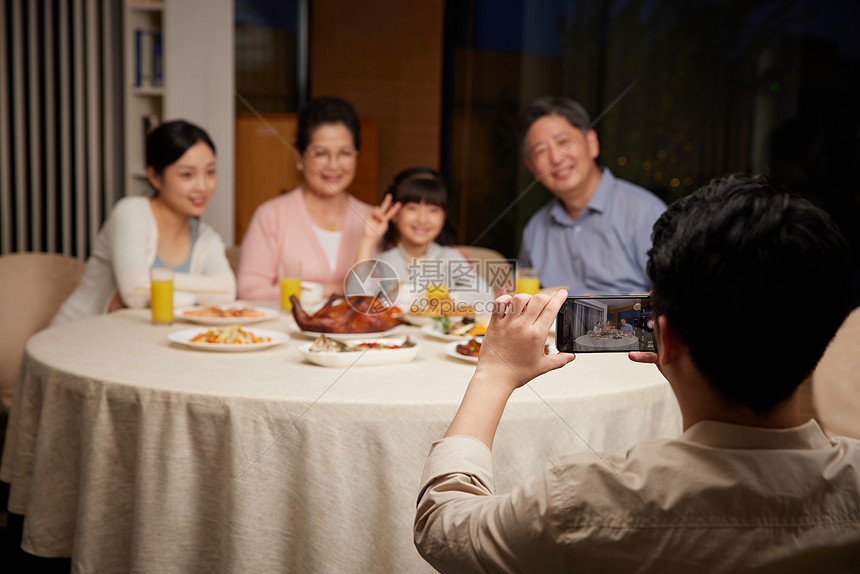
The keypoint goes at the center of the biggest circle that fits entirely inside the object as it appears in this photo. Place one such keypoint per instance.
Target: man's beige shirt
(721, 498)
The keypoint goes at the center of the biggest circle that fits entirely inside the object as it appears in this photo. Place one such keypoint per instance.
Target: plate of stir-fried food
(225, 314)
(228, 338)
(423, 311)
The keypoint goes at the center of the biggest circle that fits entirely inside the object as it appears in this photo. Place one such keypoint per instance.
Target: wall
(385, 57)
(198, 70)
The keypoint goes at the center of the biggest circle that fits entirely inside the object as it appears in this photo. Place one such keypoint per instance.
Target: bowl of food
(328, 352)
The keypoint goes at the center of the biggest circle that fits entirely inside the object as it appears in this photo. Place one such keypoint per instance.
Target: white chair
(32, 288)
(479, 256)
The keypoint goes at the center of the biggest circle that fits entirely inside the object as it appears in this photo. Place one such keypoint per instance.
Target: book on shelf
(157, 70)
(148, 58)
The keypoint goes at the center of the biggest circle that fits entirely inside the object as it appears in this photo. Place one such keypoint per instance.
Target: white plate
(361, 358)
(421, 320)
(268, 314)
(451, 351)
(432, 331)
(351, 337)
(184, 338)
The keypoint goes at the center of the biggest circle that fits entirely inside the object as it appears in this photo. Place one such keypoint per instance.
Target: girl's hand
(376, 224)
(513, 349)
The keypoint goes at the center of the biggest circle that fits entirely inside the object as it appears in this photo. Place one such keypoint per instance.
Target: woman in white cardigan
(159, 231)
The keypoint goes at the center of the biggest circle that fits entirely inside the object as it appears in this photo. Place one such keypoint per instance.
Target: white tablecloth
(131, 453)
(606, 342)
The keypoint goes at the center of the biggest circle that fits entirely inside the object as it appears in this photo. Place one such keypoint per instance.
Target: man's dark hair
(326, 110)
(756, 282)
(570, 110)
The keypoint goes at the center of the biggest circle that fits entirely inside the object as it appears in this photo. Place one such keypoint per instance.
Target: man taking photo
(747, 487)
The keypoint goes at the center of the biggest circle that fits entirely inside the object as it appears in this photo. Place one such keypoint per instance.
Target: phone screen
(605, 324)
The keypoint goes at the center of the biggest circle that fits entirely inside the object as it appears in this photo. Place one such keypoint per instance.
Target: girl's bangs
(423, 189)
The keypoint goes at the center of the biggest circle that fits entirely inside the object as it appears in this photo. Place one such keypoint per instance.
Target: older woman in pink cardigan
(318, 223)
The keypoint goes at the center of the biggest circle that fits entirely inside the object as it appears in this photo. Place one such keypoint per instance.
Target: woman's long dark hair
(421, 185)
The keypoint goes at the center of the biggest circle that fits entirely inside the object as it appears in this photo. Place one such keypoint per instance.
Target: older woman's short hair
(326, 110)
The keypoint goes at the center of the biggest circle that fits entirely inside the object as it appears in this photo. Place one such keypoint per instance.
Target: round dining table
(129, 452)
(585, 343)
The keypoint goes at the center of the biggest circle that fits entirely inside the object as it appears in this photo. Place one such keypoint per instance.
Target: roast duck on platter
(353, 314)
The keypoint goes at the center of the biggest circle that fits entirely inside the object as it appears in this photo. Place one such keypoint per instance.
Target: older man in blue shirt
(625, 327)
(595, 235)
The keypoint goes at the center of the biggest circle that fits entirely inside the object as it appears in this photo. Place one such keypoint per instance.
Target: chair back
(480, 256)
(32, 288)
(232, 254)
(836, 381)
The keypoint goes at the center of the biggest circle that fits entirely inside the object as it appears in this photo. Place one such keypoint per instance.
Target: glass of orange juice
(527, 280)
(161, 295)
(290, 277)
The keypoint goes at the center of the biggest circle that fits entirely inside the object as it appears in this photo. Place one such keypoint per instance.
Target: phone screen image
(605, 324)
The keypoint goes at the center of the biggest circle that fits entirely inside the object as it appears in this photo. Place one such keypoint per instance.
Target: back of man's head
(756, 282)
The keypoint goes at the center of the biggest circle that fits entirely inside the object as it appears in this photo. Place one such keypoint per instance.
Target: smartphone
(605, 324)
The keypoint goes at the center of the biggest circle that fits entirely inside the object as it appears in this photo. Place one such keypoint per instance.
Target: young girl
(416, 204)
(160, 231)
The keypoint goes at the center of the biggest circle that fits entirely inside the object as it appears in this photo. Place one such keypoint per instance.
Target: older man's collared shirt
(604, 251)
(721, 498)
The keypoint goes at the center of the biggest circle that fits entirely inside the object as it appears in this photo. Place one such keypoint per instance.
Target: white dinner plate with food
(421, 320)
(451, 351)
(228, 339)
(353, 336)
(436, 332)
(457, 328)
(225, 314)
(380, 354)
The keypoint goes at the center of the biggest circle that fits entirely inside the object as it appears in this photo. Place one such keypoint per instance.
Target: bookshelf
(196, 75)
(144, 93)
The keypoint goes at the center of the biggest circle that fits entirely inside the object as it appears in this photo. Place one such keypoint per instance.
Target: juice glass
(161, 295)
(527, 281)
(290, 278)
